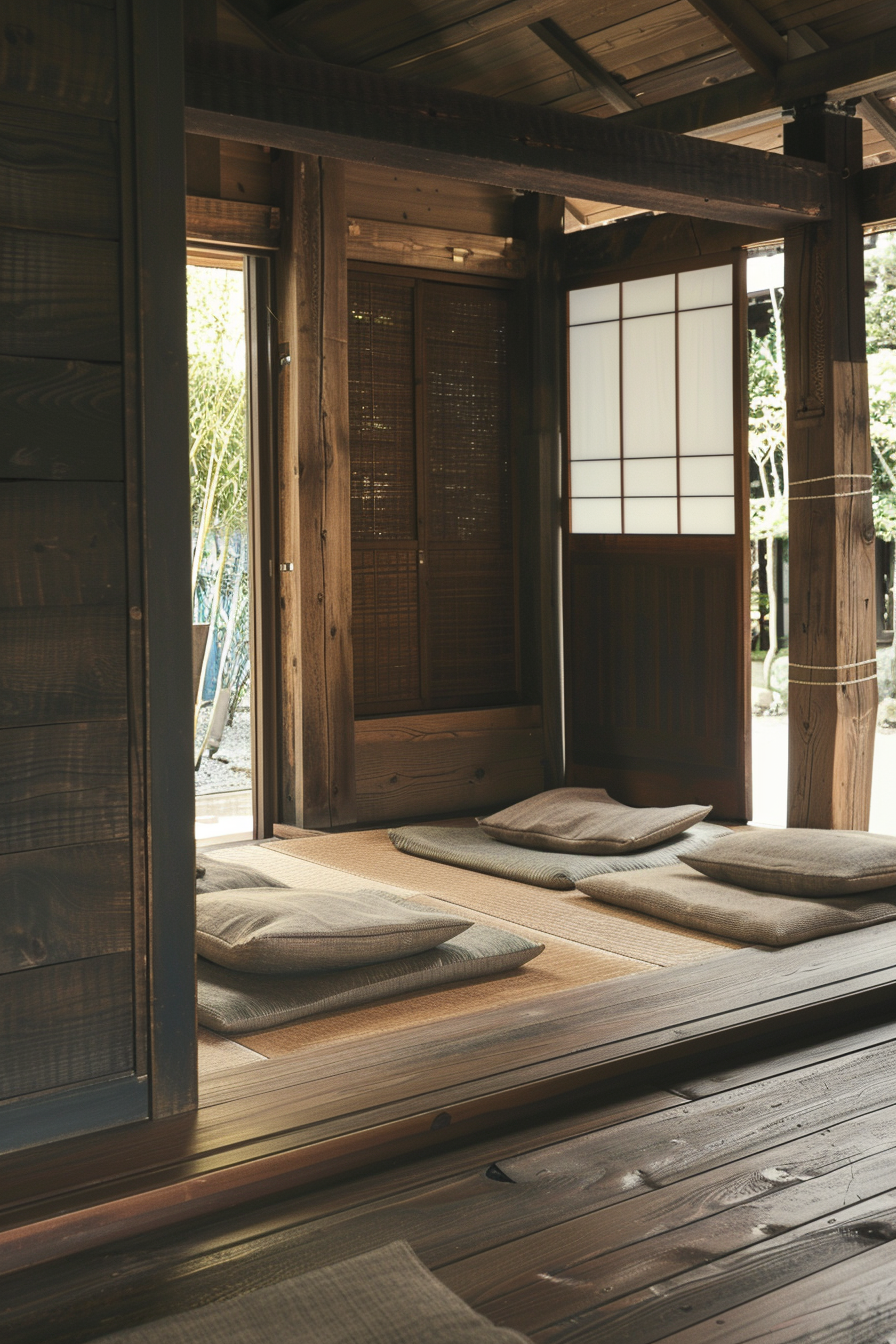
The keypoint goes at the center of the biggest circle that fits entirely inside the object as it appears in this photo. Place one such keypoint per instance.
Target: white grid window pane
(707, 475)
(710, 516)
(595, 515)
(654, 295)
(651, 515)
(651, 476)
(598, 479)
(705, 289)
(594, 391)
(648, 392)
(599, 304)
(705, 382)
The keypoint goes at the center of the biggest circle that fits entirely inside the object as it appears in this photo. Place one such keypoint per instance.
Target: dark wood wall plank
(60, 55)
(63, 784)
(61, 544)
(58, 173)
(66, 1023)
(62, 420)
(61, 665)
(60, 296)
(64, 904)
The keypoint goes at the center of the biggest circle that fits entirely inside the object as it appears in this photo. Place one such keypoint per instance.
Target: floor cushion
(217, 876)
(470, 847)
(385, 1296)
(588, 821)
(235, 1001)
(682, 896)
(282, 930)
(802, 862)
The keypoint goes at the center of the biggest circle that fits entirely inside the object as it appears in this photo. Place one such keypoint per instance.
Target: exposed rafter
(851, 71)
(761, 45)
(277, 38)
(584, 65)
(258, 96)
(501, 18)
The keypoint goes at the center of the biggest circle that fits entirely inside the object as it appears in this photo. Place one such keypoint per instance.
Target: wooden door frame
(695, 544)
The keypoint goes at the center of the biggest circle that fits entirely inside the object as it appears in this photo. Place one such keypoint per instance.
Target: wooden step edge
(166, 1202)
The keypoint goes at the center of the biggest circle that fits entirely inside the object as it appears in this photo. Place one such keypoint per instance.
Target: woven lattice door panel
(382, 414)
(470, 618)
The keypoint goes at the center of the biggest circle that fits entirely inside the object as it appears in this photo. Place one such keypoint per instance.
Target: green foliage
(880, 318)
(768, 429)
(219, 466)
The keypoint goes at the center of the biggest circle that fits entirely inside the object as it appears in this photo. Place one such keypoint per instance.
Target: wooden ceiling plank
(578, 59)
(748, 31)
(296, 104)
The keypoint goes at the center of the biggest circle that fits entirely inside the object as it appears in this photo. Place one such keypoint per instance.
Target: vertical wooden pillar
(833, 689)
(539, 222)
(317, 693)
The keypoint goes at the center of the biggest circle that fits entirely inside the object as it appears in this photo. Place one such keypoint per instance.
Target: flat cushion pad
(681, 896)
(277, 931)
(588, 821)
(235, 1001)
(469, 847)
(213, 875)
(802, 862)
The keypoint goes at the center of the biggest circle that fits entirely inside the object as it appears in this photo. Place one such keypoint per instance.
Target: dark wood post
(833, 689)
(538, 221)
(317, 694)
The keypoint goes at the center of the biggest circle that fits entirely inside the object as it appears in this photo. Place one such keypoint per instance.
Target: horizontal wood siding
(461, 252)
(73, 600)
(418, 765)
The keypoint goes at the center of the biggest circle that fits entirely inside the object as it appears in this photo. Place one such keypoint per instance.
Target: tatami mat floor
(585, 942)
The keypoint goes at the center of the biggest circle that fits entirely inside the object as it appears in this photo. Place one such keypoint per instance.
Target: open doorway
(221, 547)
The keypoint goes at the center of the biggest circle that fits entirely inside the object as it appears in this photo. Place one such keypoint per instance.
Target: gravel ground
(231, 766)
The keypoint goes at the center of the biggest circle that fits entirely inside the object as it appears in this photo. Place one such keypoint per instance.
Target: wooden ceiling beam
(261, 97)
(851, 71)
(584, 65)
(802, 40)
(748, 31)
(506, 17)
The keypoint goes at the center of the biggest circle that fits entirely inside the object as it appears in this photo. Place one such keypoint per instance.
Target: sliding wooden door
(433, 573)
(656, 538)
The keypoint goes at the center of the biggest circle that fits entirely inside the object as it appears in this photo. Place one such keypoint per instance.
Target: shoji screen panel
(656, 617)
(651, 385)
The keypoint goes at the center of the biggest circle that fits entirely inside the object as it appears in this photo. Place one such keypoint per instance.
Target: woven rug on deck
(563, 914)
(562, 965)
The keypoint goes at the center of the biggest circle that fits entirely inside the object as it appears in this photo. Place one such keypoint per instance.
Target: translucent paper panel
(654, 295)
(705, 382)
(707, 475)
(648, 365)
(705, 289)
(594, 478)
(705, 515)
(651, 476)
(594, 391)
(600, 304)
(595, 515)
(651, 515)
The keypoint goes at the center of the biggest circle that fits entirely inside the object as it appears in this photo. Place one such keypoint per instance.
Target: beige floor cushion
(470, 847)
(385, 1296)
(588, 821)
(213, 875)
(802, 862)
(280, 931)
(682, 896)
(235, 1001)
